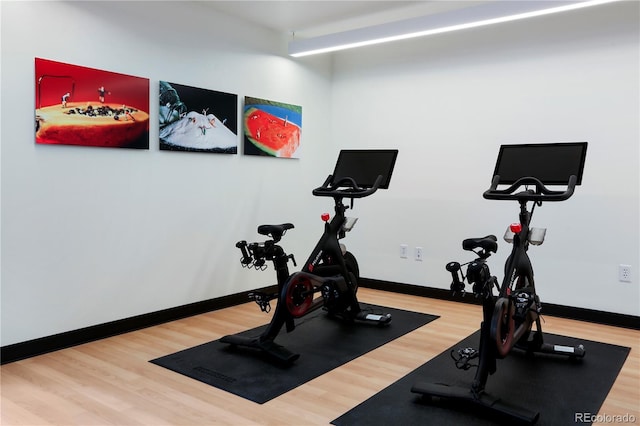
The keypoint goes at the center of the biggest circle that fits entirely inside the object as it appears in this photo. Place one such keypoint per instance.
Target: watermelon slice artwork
(271, 128)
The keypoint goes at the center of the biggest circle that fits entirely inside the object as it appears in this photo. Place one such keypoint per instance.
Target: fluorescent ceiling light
(494, 12)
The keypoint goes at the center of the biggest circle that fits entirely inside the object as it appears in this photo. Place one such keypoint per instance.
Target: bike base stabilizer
(276, 352)
(496, 406)
(381, 319)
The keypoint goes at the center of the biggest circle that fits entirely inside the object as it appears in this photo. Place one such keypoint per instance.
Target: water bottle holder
(536, 235)
(349, 223)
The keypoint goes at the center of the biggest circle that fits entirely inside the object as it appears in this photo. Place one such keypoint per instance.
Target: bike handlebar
(345, 187)
(541, 193)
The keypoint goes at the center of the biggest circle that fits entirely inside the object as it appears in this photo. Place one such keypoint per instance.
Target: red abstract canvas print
(77, 105)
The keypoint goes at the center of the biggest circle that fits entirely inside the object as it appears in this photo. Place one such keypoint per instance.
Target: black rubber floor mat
(563, 391)
(323, 344)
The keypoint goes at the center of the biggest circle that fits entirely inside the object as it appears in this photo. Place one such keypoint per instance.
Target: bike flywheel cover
(299, 296)
(503, 326)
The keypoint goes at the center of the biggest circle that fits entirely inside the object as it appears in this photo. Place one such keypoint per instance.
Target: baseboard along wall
(30, 348)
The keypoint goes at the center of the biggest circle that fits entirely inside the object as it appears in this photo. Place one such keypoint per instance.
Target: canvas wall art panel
(271, 128)
(77, 105)
(197, 120)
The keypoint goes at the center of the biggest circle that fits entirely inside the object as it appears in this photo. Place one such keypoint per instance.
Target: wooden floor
(112, 382)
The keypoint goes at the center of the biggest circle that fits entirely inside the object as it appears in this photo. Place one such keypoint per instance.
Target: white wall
(92, 235)
(448, 102)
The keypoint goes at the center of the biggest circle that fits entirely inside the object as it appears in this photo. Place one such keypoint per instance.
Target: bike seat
(488, 243)
(275, 231)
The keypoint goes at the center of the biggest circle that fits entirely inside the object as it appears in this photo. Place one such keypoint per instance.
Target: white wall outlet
(419, 254)
(404, 251)
(624, 273)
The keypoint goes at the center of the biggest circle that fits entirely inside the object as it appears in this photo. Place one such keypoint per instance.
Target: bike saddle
(488, 243)
(275, 231)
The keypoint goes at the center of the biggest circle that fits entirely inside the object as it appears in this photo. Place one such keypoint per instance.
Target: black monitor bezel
(393, 155)
(508, 180)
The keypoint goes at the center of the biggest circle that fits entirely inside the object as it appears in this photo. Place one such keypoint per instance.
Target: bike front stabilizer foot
(271, 349)
(494, 406)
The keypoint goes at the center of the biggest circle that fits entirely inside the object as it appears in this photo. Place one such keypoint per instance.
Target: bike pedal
(262, 299)
(463, 356)
(469, 353)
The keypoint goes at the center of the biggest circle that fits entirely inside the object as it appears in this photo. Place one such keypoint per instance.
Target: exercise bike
(329, 277)
(508, 317)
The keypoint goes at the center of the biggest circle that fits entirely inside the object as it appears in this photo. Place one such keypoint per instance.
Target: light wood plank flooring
(111, 382)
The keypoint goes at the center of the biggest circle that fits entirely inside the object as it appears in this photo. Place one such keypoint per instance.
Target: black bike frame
(328, 247)
(517, 265)
(518, 262)
(327, 258)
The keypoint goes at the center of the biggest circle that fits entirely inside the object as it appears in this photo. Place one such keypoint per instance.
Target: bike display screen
(551, 163)
(364, 166)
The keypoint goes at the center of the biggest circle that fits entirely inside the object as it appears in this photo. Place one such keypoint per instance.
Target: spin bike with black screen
(508, 317)
(329, 277)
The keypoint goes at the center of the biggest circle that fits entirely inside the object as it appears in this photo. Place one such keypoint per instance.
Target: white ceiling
(311, 18)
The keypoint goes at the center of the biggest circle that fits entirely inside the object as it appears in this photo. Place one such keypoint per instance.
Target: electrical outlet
(419, 254)
(624, 273)
(404, 251)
